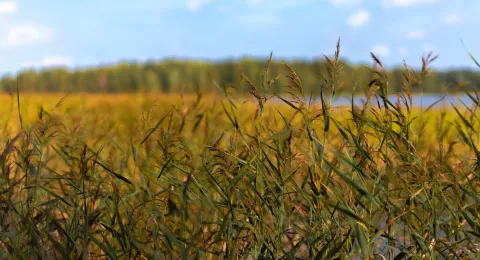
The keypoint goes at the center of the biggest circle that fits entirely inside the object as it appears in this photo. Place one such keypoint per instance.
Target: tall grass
(274, 176)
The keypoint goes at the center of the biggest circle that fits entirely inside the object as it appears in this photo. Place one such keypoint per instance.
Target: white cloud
(358, 19)
(452, 19)
(416, 34)
(345, 2)
(51, 61)
(408, 2)
(381, 50)
(27, 34)
(195, 5)
(8, 7)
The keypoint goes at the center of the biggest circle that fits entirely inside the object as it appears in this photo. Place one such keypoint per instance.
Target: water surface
(417, 100)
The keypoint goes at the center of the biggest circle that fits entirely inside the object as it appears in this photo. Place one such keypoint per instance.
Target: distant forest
(174, 76)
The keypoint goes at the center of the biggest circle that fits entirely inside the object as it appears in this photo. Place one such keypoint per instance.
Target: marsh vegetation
(231, 176)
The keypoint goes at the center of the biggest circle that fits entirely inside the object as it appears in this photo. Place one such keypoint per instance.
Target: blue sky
(88, 33)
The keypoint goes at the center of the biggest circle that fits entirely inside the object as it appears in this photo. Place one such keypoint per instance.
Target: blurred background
(160, 45)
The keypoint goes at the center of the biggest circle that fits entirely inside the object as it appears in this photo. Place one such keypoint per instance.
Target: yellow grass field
(130, 175)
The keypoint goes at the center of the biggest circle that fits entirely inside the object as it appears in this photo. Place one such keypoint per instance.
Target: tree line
(173, 76)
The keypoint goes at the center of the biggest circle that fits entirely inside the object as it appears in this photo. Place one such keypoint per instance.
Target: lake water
(417, 100)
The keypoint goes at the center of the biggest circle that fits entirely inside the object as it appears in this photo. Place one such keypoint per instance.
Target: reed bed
(270, 176)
